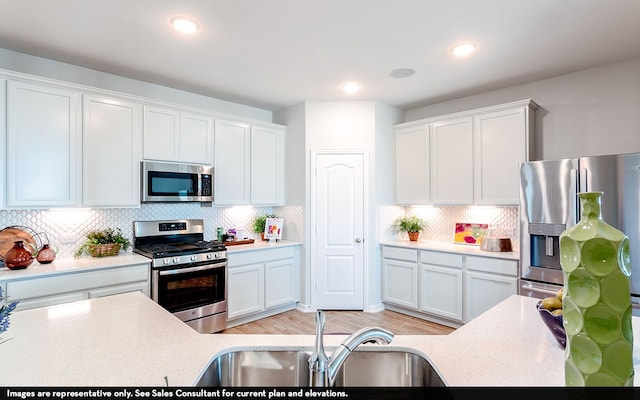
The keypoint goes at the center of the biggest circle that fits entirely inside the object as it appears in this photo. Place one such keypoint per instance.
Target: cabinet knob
(358, 240)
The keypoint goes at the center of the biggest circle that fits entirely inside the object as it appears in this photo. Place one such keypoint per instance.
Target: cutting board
(237, 242)
(11, 234)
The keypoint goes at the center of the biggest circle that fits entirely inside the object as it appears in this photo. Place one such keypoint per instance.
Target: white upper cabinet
(267, 165)
(112, 142)
(249, 164)
(161, 134)
(452, 161)
(175, 135)
(43, 146)
(196, 138)
(413, 184)
(501, 141)
(232, 152)
(471, 157)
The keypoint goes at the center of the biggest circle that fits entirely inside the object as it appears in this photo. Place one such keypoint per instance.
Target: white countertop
(68, 265)
(260, 245)
(452, 248)
(128, 340)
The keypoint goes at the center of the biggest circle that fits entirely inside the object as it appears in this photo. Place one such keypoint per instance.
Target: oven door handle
(192, 269)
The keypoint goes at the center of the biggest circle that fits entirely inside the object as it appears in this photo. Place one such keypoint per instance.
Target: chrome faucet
(322, 369)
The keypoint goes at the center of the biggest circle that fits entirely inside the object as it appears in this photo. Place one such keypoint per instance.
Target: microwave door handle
(192, 269)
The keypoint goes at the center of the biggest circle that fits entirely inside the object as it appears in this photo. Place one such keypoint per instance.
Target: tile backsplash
(441, 220)
(66, 228)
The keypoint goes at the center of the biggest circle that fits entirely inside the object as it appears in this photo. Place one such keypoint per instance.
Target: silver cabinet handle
(358, 240)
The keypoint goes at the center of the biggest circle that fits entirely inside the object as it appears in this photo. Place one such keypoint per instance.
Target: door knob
(358, 240)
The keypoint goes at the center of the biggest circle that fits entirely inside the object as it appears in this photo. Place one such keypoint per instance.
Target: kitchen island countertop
(128, 340)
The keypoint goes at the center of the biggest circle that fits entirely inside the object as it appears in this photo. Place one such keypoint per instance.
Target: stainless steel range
(188, 274)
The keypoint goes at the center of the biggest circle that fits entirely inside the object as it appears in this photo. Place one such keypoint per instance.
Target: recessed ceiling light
(351, 87)
(402, 72)
(463, 49)
(184, 24)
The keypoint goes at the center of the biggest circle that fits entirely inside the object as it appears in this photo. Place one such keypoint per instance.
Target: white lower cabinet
(78, 285)
(488, 281)
(444, 287)
(246, 290)
(441, 284)
(400, 277)
(261, 283)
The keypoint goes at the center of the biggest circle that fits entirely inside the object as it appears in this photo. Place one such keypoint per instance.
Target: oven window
(182, 291)
(172, 184)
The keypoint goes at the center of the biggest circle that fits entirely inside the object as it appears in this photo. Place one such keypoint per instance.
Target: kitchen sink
(290, 368)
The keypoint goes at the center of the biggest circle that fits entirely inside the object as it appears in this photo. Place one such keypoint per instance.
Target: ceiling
(274, 54)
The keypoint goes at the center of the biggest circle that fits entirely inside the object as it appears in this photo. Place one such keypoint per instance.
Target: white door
(338, 226)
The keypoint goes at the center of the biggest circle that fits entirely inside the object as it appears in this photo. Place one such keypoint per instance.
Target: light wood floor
(296, 322)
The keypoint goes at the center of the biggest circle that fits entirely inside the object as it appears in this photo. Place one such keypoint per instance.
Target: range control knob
(193, 257)
(166, 261)
(176, 260)
(209, 256)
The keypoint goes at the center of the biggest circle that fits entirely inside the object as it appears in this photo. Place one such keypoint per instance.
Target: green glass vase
(596, 300)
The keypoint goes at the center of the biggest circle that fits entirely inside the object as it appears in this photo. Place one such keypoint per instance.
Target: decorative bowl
(554, 323)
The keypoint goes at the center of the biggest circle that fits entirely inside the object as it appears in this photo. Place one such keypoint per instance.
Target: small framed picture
(469, 233)
(273, 228)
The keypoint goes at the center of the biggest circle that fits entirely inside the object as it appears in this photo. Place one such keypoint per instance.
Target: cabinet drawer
(50, 300)
(76, 282)
(439, 258)
(493, 265)
(259, 256)
(400, 254)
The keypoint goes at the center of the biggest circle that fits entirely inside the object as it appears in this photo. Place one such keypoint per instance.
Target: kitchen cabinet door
(441, 291)
(501, 141)
(232, 151)
(43, 146)
(452, 162)
(246, 290)
(412, 170)
(441, 284)
(177, 135)
(161, 134)
(279, 283)
(400, 283)
(196, 139)
(483, 291)
(112, 141)
(267, 166)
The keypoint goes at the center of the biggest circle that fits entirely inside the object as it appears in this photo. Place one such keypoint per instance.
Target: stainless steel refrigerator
(549, 205)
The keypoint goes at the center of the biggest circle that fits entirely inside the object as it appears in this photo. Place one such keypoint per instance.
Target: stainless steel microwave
(164, 182)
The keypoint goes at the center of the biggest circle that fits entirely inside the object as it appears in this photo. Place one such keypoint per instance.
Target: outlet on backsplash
(68, 238)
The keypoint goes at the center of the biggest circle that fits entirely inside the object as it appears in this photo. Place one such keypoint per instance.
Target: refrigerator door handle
(584, 174)
(574, 194)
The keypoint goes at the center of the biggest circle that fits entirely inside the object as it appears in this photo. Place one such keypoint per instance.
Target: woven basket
(104, 250)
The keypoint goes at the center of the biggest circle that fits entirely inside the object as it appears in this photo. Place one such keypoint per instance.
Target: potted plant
(411, 224)
(107, 242)
(259, 224)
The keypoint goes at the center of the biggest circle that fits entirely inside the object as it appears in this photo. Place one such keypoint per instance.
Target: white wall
(27, 64)
(294, 119)
(365, 125)
(589, 112)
